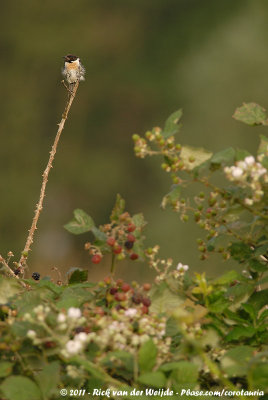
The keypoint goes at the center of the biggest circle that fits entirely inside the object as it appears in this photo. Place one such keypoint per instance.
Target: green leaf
(99, 235)
(147, 356)
(235, 361)
(171, 124)
(240, 251)
(73, 297)
(239, 332)
(258, 377)
(8, 288)
(224, 279)
(96, 371)
(118, 209)
(5, 368)
(138, 220)
(192, 157)
(225, 156)
(263, 146)
(185, 375)
(155, 379)
(257, 266)
(259, 299)
(48, 379)
(79, 275)
(251, 114)
(250, 310)
(81, 223)
(241, 154)
(126, 360)
(20, 388)
(164, 300)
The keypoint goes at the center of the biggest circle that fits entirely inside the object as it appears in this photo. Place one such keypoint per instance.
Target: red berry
(119, 282)
(146, 301)
(107, 280)
(146, 286)
(144, 310)
(113, 290)
(134, 256)
(125, 287)
(119, 296)
(96, 259)
(137, 298)
(131, 238)
(117, 249)
(110, 241)
(131, 227)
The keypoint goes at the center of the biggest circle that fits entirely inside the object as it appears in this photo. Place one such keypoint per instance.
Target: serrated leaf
(263, 146)
(79, 275)
(192, 157)
(241, 154)
(81, 223)
(5, 368)
(99, 235)
(20, 388)
(258, 377)
(250, 310)
(185, 375)
(9, 287)
(138, 220)
(257, 266)
(251, 114)
(171, 124)
(155, 379)
(235, 361)
(226, 278)
(164, 300)
(48, 378)
(225, 156)
(147, 356)
(259, 299)
(239, 332)
(118, 209)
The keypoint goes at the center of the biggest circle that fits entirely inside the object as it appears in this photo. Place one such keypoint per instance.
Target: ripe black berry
(129, 244)
(17, 271)
(36, 276)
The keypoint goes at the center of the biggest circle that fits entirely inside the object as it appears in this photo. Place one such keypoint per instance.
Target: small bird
(73, 70)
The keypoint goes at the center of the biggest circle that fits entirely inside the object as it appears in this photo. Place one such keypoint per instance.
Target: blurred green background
(144, 59)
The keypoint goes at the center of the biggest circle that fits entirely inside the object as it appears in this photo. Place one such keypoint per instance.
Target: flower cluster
(249, 173)
(122, 237)
(128, 330)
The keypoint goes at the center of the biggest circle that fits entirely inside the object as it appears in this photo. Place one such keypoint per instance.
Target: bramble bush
(183, 331)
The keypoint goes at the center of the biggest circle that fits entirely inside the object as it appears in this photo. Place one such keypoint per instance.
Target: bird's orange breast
(71, 66)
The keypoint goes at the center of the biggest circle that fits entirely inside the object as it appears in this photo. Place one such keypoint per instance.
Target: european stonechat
(73, 70)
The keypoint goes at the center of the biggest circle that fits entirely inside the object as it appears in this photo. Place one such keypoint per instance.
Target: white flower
(61, 317)
(237, 172)
(81, 337)
(73, 346)
(248, 202)
(31, 334)
(249, 160)
(131, 312)
(74, 313)
(181, 267)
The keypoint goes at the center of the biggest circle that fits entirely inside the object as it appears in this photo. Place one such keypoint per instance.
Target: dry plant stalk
(39, 206)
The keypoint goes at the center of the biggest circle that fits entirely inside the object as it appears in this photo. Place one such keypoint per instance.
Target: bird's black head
(70, 58)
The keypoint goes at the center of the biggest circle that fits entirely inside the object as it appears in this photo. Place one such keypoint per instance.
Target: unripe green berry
(135, 137)
(185, 218)
(202, 249)
(178, 147)
(202, 195)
